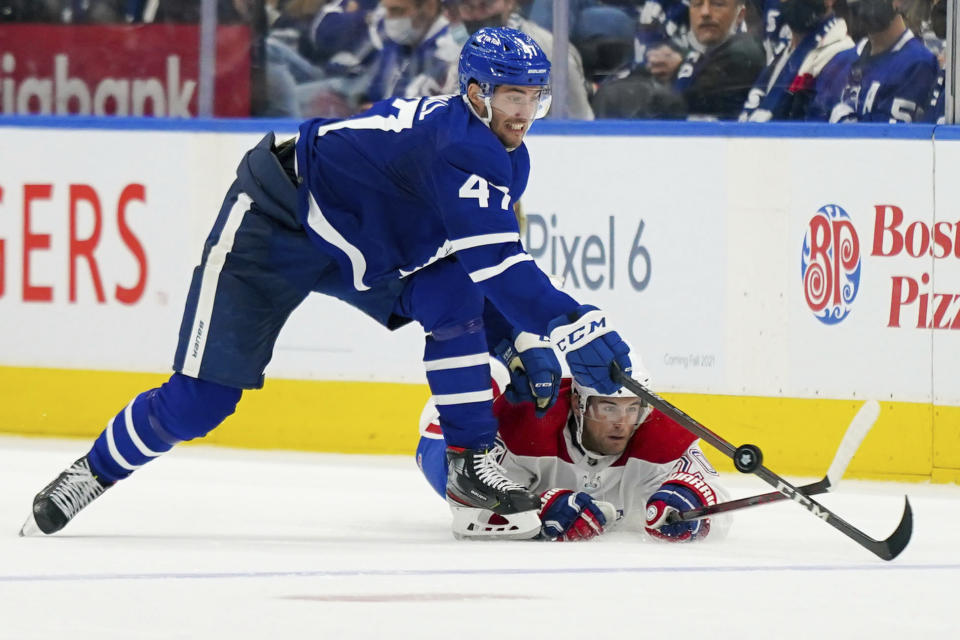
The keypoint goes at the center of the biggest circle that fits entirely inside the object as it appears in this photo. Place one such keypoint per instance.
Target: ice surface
(220, 543)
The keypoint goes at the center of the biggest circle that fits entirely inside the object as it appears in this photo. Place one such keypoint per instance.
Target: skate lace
(492, 474)
(75, 490)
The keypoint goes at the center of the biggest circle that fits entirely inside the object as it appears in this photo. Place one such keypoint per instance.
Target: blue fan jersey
(412, 181)
(888, 87)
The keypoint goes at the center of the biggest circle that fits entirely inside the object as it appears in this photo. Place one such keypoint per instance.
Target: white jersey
(541, 454)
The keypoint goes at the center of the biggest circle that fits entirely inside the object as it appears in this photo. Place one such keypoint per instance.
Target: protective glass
(522, 103)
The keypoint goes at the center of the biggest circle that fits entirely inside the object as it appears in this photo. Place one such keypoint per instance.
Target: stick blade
(898, 540)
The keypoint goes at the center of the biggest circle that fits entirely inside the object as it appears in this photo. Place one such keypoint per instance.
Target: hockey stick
(748, 459)
(856, 432)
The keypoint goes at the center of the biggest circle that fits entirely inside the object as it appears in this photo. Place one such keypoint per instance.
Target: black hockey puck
(747, 458)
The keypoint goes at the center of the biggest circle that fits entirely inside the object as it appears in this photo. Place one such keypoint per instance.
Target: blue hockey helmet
(496, 56)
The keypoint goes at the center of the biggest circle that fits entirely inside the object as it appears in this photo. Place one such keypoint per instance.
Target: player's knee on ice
(432, 460)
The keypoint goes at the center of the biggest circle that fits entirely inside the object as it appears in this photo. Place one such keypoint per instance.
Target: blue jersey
(888, 87)
(412, 181)
(776, 33)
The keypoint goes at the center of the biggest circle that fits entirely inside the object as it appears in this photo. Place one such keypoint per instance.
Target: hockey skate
(63, 498)
(485, 503)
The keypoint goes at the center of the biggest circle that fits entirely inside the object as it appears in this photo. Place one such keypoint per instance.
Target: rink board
(798, 436)
(694, 245)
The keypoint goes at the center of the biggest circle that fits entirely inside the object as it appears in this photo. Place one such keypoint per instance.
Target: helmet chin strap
(486, 102)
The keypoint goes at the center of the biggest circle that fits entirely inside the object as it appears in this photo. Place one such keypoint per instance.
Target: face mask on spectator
(401, 30)
(802, 15)
(459, 34)
(874, 15)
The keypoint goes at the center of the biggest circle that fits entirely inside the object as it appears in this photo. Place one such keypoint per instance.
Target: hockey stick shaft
(812, 489)
(887, 549)
(861, 424)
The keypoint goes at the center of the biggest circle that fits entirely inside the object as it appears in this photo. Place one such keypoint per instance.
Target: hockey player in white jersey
(597, 460)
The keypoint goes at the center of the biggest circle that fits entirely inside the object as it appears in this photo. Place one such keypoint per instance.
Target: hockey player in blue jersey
(404, 212)
(888, 78)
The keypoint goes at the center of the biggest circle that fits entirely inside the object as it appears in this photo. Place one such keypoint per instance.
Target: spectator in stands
(188, 11)
(541, 11)
(606, 38)
(338, 36)
(774, 31)
(891, 76)
(935, 40)
(417, 50)
(476, 14)
(722, 63)
(458, 32)
(916, 14)
(63, 11)
(320, 57)
(788, 84)
(664, 21)
(30, 11)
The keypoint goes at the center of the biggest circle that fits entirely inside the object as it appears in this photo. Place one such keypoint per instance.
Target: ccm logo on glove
(590, 347)
(591, 325)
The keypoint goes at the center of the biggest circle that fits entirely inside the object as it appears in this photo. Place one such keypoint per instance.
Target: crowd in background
(756, 60)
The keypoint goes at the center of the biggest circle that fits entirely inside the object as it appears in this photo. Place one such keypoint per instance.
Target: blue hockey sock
(130, 440)
(458, 371)
(449, 307)
(183, 408)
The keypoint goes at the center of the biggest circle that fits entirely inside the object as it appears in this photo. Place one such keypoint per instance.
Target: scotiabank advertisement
(119, 70)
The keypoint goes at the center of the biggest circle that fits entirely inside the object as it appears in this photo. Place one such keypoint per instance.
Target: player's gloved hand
(681, 491)
(567, 515)
(590, 347)
(534, 370)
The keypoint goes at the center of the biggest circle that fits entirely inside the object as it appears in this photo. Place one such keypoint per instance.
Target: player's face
(514, 109)
(608, 424)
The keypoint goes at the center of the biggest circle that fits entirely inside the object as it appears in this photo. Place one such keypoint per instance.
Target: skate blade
(470, 523)
(30, 528)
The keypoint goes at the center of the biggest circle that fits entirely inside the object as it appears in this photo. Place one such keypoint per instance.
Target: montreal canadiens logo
(830, 264)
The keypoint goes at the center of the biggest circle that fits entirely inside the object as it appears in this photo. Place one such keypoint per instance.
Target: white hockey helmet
(580, 402)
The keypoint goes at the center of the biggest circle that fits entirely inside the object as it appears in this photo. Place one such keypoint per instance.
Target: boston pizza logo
(830, 264)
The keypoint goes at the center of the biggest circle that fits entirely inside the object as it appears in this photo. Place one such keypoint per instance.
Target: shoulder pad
(658, 440)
